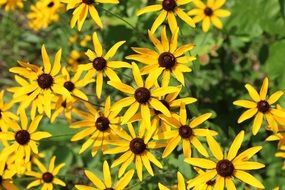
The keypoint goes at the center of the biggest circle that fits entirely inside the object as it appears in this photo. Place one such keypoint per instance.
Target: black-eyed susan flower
(11, 5)
(6, 117)
(223, 169)
(102, 64)
(181, 183)
(6, 178)
(98, 126)
(261, 106)
(168, 9)
(209, 13)
(185, 134)
(42, 84)
(24, 138)
(135, 149)
(82, 8)
(167, 59)
(46, 176)
(144, 96)
(121, 183)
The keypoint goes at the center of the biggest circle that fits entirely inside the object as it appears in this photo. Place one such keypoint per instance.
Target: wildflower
(181, 183)
(167, 59)
(46, 176)
(261, 106)
(6, 177)
(82, 7)
(224, 169)
(107, 183)
(101, 64)
(209, 13)
(168, 9)
(11, 5)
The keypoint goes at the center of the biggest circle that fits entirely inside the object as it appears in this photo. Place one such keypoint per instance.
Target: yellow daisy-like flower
(24, 138)
(75, 59)
(42, 84)
(224, 169)
(188, 134)
(82, 7)
(209, 13)
(144, 96)
(6, 177)
(43, 13)
(167, 59)
(135, 149)
(168, 9)
(46, 176)
(11, 5)
(107, 183)
(261, 106)
(181, 183)
(6, 117)
(102, 64)
(98, 126)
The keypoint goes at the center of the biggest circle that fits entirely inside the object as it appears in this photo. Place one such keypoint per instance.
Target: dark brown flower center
(22, 137)
(99, 63)
(211, 182)
(51, 4)
(137, 146)
(88, 2)
(63, 104)
(47, 177)
(45, 81)
(102, 123)
(225, 168)
(263, 106)
(166, 60)
(208, 11)
(69, 86)
(185, 131)
(142, 95)
(165, 103)
(169, 5)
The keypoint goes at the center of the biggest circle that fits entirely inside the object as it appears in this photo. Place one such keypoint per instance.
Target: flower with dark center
(169, 5)
(22, 137)
(45, 81)
(69, 86)
(208, 11)
(142, 95)
(137, 146)
(165, 103)
(99, 63)
(166, 60)
(211, 182)
(225, 168)
(185, 131)
(102, 123)
(88, 2)
(263, 106)
(47, 177)
(51, 4)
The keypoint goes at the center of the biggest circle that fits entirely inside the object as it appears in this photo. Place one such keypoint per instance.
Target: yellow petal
(235, 146)
(252, 92)
(275, 97)
(147, 9)
(245, 103)
(247, 178)
(257, 122)
(247, 114)
(215, 148)
(95, 180)
(264, 89)
(158, 21)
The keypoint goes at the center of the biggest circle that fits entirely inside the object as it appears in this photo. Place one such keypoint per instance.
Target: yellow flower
(101, 64)
(260, 106)
(168, 9)
(107, 184)
(6, 117)
(188, 134)
(42, 84)
(43, 13)
(224, 169)
(181, 183)
(46, 176)
(135, 149)
(209, 13)
(6, 177)
(98, 126)
(84, 41)
(82, 7)
(24, 138)
(11, 4)
(167, 59)
(143, 95)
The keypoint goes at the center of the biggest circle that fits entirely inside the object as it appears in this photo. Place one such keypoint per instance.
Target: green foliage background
(250, 47)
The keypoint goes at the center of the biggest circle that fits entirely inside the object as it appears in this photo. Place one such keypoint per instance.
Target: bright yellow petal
(252, 92)
(215, 148)
(248, 178)
(247, 114)
(236, 144)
